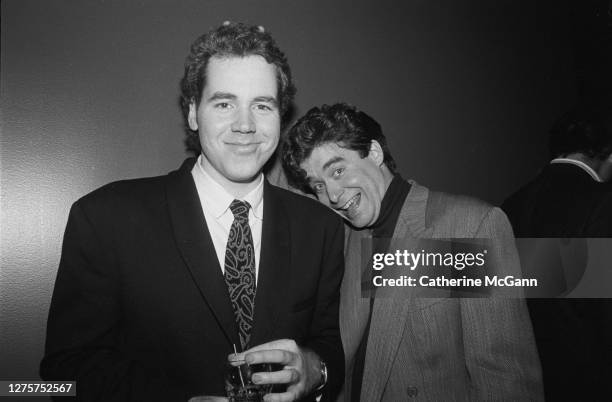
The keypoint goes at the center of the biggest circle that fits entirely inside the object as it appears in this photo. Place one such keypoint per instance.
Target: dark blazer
(574, 336)
(563, 200)
(141, 311)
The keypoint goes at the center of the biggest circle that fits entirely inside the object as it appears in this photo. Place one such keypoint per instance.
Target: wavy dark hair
(341, 124)
(232, 40)
(585, 129)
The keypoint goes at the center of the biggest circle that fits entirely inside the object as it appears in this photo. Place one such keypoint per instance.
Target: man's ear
(192, 116)
(376, 153)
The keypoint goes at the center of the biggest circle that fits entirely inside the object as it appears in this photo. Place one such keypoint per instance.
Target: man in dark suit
(162, 278)
(399, 348)
(569, 199)
(566, 197)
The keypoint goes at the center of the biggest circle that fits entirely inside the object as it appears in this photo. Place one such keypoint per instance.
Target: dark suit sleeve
(325, 332)
(84, 340)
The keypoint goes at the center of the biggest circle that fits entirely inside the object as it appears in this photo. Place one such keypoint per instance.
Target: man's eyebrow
(332, 161)
(221, 95)
(267, 99)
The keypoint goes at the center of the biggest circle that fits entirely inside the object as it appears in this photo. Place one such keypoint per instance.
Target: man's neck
(387, 177)
(237, 189)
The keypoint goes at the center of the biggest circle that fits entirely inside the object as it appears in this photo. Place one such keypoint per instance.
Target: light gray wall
(464, 90)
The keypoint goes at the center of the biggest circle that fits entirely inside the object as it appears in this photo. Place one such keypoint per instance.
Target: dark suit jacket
(574, 336)
(141, 311)
(563, 200)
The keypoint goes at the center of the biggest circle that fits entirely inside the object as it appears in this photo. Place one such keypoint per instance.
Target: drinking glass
(238, 381)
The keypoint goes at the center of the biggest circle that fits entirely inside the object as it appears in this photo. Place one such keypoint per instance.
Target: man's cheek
(323, 199)
(352, 180)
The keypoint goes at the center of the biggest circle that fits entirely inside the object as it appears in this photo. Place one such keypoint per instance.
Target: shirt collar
(218, 199)
(255, 198)
(581, 165)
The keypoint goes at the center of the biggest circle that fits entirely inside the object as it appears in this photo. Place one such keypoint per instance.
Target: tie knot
(240, 209)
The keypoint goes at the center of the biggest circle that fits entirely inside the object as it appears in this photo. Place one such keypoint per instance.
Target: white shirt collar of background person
(581, 165)
(215, 201)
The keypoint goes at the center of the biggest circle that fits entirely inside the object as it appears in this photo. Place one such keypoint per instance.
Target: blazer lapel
(413, 220)
(274, 265)
(197, 249)
(390, 313)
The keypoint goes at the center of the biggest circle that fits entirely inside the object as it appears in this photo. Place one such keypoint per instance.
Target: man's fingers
(286, 376)
(280, 397)
(283, 344)
(270, 356)
(286, 344)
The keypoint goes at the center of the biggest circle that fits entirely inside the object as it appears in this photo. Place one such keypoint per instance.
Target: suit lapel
(197, 249)
(274, 265)
(390, 313)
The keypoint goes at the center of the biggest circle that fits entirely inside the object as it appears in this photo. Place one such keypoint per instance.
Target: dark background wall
(464, 90)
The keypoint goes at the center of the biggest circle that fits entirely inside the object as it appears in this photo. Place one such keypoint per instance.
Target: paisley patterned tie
(240, 270)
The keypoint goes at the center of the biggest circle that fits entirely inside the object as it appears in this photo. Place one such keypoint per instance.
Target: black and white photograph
(331, 201)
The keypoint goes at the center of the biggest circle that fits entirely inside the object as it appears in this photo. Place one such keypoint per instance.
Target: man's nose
(244, 122)
(334, 191)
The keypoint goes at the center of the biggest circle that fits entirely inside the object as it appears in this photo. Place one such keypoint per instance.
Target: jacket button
(412, 391)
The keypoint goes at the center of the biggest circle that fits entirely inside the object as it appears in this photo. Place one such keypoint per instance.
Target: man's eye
(338, 172)
(263, 108)
(318, 188)
(223, 105)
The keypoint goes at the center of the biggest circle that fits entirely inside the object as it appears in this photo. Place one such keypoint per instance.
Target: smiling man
(162, 278)
(397, 349)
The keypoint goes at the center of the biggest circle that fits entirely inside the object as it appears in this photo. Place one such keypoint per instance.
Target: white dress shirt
(215, 202)
(581, 165)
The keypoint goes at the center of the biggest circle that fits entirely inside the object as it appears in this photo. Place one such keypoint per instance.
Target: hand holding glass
(238, 381)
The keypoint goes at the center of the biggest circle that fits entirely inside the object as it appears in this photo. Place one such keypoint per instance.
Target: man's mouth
(243, 147)
(350, 207)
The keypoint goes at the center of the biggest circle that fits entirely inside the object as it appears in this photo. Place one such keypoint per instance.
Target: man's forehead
(240, 75)
(322, 157)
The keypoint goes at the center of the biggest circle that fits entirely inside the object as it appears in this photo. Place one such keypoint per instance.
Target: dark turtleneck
(382, 231)
(390, 208)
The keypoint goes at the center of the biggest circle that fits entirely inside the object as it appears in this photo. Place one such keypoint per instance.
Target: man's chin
(244, 175)
(355, 222)
(245, 178)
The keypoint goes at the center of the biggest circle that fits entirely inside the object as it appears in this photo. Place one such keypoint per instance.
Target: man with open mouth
(395, 349)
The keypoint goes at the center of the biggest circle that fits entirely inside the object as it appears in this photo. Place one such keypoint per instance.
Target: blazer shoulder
(458, 213)
(519, 197)
(120, 195)
(140, 189)
(453, 204)
(305, 208)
